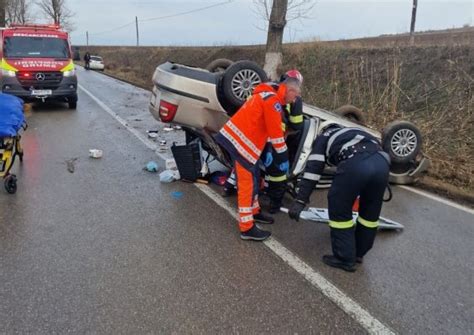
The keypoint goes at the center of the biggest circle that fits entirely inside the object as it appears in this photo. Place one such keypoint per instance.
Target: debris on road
(162, 142)
(151, 166)
(177, 127)
(168, 129)
(168, 176)
(70, 164)
(170, 164)
(152, 134)
(95, 153)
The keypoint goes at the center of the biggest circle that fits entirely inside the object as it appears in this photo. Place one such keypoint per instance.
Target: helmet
(325, 125)
(292, 75)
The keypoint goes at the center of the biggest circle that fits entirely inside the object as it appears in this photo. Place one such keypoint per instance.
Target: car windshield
(37, 47)
(96, 58)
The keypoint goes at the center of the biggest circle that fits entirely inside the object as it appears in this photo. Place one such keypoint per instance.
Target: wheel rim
(404, 142)
(243, 83)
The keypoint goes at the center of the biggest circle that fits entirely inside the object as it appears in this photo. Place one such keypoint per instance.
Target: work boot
(337, 263)
(255, 234)
(229, 191)
(262, 218)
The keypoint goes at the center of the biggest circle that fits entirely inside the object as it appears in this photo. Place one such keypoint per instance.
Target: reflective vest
(256, 122)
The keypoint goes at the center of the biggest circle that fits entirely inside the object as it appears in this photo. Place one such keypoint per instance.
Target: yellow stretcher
(10, 147)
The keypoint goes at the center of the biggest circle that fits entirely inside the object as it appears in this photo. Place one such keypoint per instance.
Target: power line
(188, 12)
(163, 17)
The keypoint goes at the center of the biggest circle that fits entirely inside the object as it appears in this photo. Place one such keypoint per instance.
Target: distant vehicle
(96, 63)
(201, 101)
(36, 63)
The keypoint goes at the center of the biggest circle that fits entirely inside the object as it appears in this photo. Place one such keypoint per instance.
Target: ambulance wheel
(10, 184)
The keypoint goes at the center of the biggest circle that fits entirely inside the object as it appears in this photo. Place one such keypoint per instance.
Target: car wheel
(351, 113)
(239, 80)
(402, 141)
(219, 65)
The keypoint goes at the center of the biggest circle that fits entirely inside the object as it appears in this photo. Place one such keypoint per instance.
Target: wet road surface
(109, 249)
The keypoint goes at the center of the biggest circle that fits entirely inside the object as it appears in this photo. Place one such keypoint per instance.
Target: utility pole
(138, 36)
(2, 12)
(87, 39)
(413, 19)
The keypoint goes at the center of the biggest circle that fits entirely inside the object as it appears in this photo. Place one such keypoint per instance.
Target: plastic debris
(151, 166)
(168, 176)
(177, 127)
(95, 153)
(162, 142)
(168, 129)
(152, 133)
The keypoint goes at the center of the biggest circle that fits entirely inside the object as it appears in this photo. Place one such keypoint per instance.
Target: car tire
(219, 65)
(402, 141)
(351, 113)
(72, 102)
(239, 80)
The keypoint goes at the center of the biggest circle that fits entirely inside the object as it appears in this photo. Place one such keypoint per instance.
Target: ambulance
(36, 64)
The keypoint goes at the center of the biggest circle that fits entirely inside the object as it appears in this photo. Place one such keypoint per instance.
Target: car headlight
(8, 73)
(70, 73)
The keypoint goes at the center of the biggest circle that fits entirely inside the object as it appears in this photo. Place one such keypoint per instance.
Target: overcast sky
(237, 23)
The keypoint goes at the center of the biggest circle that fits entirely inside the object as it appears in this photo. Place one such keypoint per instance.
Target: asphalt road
(109, 249)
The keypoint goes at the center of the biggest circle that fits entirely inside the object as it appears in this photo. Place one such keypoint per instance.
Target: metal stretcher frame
(321, 215)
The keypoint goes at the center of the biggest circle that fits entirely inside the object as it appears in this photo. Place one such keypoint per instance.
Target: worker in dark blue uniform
(362, 171)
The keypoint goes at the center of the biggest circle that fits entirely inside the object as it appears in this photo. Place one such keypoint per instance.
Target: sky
(236, 22)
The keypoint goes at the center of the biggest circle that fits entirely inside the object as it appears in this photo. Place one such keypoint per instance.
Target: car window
(96, 58)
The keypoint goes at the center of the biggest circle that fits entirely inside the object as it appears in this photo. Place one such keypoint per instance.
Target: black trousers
(364, 175)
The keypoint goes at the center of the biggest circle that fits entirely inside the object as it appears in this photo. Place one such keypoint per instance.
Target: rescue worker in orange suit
(362, 170)
(245, 135)
(292, 124)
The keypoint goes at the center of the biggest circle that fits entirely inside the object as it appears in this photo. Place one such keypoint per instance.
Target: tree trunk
(413, 20)
(2, 12)
(276, 26)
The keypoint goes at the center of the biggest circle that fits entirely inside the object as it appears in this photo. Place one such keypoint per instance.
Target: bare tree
(413, 19)
(2, 12)
(17, 11)
(58, 12)
(278, 13)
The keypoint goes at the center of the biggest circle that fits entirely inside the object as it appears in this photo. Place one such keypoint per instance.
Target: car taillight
(167, 111)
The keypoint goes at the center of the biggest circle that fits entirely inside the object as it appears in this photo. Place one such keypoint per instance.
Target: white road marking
(437, 198)
(349, 306)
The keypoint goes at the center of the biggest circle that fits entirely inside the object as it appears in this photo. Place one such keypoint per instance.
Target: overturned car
(202, 100)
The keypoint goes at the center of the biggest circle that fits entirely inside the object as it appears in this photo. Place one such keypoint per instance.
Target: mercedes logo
(40, 76)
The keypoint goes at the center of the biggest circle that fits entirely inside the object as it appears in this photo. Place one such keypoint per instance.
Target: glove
(296, 209)
(268, 159)
(284, 167)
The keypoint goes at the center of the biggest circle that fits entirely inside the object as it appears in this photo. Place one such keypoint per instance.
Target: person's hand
(296, 209)
(284, 167)
(268, 159)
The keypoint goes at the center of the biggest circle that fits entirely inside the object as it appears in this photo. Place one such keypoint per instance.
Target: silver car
(202, 100)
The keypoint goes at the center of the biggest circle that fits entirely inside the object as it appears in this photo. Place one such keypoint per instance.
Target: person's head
(293, 80)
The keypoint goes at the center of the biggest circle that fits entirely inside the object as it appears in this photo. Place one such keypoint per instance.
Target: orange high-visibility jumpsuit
(245, 135)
